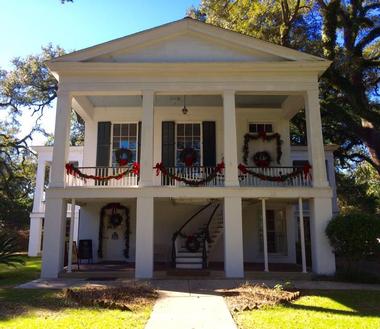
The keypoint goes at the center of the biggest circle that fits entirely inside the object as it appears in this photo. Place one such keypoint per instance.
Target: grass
(12, 276)
(318, 310)
(43, 308)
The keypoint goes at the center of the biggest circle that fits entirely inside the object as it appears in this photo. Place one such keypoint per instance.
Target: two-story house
(187, 157)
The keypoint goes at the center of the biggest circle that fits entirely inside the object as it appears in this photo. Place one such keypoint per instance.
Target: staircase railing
(206, 238)
(179, 231)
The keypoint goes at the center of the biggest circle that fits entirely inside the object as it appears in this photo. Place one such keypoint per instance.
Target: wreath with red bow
(262, 159)
(188, 156)
(123, 156)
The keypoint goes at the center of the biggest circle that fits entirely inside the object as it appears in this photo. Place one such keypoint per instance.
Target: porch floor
(113, 270)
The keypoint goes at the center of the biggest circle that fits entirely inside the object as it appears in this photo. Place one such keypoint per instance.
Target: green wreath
(123, 156)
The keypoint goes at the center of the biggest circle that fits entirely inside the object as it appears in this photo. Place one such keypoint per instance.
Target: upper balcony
(193, 140)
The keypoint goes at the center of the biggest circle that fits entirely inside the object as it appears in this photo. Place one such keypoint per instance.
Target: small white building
(187, 160)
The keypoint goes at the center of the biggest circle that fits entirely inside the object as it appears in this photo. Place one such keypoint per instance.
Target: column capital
(229, 92)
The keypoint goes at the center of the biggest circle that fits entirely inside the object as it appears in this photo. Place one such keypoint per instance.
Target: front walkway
(183, 305)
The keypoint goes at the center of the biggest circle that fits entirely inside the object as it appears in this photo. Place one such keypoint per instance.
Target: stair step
(190, 266)
(188, 254)
(184, 260)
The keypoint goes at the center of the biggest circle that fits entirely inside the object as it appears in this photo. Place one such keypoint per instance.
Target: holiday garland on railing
(265, 137)
(165, 172)
(114, 207)
(76, 172)
(300, 171)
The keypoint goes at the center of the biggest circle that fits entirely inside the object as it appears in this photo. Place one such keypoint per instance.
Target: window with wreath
(276, 232)
(124, 136)
(188, 143)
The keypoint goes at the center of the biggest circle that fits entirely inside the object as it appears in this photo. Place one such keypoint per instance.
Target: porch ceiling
(242, 101)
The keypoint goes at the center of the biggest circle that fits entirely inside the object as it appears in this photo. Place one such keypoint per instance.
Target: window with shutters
(276, 232)
(124, 135)
(188, 135)
(260, 127)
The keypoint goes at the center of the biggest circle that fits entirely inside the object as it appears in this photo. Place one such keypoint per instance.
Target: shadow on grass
(17, 302)
(362, 303)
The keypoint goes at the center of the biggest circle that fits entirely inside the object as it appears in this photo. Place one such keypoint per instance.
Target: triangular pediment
(186, 47)
(186, 40)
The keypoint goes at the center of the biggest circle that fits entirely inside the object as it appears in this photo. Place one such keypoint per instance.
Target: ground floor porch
(224, 237)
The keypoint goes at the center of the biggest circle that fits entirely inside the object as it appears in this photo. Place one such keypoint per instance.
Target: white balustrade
(194, 174)
(271, 173)
(127, 180)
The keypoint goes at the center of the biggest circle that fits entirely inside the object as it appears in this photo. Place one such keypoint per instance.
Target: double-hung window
(188, 136)
(124, 135)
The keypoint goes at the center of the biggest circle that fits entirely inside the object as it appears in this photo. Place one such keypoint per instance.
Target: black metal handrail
(206, 237)
(179, 231)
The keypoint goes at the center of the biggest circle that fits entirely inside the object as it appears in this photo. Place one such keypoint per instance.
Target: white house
(187, 157)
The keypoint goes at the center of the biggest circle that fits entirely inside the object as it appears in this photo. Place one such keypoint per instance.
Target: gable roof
(187, 25)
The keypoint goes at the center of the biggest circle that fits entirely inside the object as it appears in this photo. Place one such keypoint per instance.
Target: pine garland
(74, 171)
(164, 171)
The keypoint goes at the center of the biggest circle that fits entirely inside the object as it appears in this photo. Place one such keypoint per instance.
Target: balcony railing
(275, 177)
(192, 176)
(129, 179)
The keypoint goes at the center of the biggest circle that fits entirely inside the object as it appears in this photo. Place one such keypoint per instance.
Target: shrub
(354, 235)
(8, 249)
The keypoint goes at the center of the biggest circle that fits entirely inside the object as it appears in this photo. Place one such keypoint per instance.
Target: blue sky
(29, 24)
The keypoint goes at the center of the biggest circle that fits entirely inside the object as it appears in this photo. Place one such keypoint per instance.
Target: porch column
(323, 258)
(230, 140)
(54, 237)
(35, 234)
(233, 238)
(302, 235)
(40, 182)
(146, 160)
(76, 225)
(144, 238)
(61, 139)
(314, 138)
(265, 237)
(71, 237)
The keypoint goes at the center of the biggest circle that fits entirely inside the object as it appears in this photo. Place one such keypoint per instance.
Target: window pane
(196, 129)
(132, 143)
(124, 144)
(180, 143)
(260, 128)
(116, 130)
(268, 128)
(188, 130)
(252, 128)
(180, 130)
(133, 130)
(124, 129)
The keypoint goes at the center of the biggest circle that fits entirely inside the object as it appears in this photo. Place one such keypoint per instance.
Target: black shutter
(139, 143)
(103, 150)
(168, 149)
(209, 143)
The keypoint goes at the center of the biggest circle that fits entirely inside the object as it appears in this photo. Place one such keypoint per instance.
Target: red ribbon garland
(160, 168)
(72, 170)
(305, 170)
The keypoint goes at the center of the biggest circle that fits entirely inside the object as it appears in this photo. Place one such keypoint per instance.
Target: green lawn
(42, 308)
(319, 310)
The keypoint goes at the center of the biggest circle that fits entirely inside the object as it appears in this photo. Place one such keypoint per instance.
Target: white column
(54, 238)
(302, 235)
(265, 237)
(61, 139)
(76, 224)
(39, 189)
(314, 138)
(323, 258)
(146, 160)
(144, 237)
(233, 238)
(230, 140)
(35, 232)
(71, 238)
